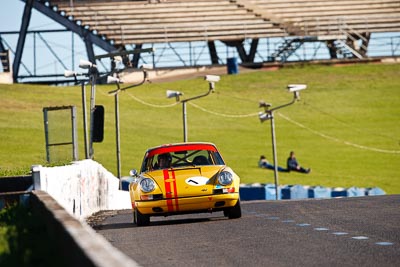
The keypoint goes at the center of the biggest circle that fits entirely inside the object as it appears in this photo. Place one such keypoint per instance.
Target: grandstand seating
(138, 22)
(324, 17)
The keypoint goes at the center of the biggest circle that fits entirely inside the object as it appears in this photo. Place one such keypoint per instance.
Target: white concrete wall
(82, 188)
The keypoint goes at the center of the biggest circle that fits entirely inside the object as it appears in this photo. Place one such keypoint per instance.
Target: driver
(164, 161)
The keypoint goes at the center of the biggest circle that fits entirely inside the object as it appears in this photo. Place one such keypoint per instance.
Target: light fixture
(264, 116)
(85, 64)
(176, 94)
(212, 79)
(296, 88)
(112, 79)
(70, 73)
(262, 104)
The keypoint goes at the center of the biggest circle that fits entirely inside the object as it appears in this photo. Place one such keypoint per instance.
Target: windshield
(162, 159)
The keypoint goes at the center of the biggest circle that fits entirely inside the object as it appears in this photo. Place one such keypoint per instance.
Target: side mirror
(133, 173)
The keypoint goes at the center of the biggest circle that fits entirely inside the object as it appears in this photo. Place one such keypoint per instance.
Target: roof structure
(344, 26)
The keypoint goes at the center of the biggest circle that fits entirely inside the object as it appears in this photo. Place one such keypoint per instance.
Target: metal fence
(60, 133)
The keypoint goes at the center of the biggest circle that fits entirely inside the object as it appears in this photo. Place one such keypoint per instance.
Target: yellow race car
(183, 178)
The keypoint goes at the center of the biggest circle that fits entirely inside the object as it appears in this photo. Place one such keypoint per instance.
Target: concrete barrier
(77, 243)
(82, 188)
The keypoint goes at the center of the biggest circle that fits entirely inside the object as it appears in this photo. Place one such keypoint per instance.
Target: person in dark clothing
(293, 165)
(263, 163)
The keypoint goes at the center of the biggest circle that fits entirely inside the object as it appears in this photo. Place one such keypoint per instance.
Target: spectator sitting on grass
(293, 165)
(263, 163)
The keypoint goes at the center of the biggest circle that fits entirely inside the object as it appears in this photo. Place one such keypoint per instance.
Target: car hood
(186, 182)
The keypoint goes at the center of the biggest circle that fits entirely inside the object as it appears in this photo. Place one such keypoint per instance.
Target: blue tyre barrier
(355, 192)
(319, 192)
(375, 191)
(252, 192)
(125, 181)
(339, 192)
(270, 192)
(294, 192)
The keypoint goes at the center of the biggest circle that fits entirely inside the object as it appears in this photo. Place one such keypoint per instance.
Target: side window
(147, 164)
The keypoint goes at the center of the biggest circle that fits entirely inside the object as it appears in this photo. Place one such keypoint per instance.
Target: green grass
(345, 126)
(24, 239)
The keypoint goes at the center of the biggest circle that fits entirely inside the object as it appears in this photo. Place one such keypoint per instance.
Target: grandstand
(343, 26)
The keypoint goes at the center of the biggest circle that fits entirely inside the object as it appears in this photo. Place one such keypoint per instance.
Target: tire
(140, 219)
(234, 212)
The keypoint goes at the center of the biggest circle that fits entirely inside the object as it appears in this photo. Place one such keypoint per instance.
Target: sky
(10, 20)
(11, 13)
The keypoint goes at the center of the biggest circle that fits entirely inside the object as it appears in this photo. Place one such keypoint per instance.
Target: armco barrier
(77, 243)
(82, 188)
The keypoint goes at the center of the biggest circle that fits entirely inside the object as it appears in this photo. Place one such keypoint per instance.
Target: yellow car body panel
(185, 189)
(186, 185)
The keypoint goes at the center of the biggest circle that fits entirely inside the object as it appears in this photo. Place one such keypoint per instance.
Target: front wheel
(140, 219)
(233, 212)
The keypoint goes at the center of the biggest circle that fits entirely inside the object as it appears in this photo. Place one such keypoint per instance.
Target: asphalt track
(359, 231)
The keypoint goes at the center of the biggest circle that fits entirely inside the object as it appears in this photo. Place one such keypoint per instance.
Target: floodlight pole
(117, 132)
(270, 116)
(117, 126)
(184, 113)
(84, 119)
(274, 152)
(83, 89)
(184, 117)
(92, 79)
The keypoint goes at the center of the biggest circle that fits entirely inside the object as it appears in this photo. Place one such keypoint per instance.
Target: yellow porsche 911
(183, 178)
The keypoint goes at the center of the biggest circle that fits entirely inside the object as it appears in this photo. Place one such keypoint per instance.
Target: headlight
(225, 178)
(147, 185)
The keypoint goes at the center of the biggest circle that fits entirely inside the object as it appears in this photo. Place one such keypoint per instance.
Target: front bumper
(187, 204)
